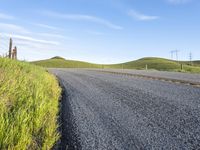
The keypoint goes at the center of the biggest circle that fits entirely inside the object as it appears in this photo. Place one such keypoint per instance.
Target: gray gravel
(165, 74)
(106, 111)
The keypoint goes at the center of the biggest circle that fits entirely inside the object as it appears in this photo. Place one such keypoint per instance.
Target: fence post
(12, 54)
(146, 67)
(10, 48)
(15, 52)
(181, 66)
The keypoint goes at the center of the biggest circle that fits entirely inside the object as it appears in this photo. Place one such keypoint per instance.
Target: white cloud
(28, 41)
(52, 35)
(31, 39)
(178, 1)
(95, 32)
(80, 17)
(47, 26)
(5, 16)
(12, 28)
(21, 33)
(139, 16)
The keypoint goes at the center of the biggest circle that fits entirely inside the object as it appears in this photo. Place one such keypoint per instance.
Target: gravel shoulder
(108, 111)
(162, 74)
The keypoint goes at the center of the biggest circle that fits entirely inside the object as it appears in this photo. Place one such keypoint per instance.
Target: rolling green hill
(59, 62)
(151, 62)
(194, 63)
(197, 62)
(157, 64)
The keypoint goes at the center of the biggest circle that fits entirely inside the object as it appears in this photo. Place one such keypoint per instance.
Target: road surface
(187, 77)
(105, 111)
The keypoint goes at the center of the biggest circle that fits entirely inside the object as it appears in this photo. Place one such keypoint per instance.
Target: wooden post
(146, 67)
(181, 66)
(10, 49)
(15, 52)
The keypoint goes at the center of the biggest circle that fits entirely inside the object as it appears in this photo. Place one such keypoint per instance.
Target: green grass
(58, 62)
(28, 106)
(157, 64)
(194, 63)
(153, 63)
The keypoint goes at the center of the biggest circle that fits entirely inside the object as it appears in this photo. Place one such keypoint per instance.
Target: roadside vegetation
(151, 63)
(28, 106)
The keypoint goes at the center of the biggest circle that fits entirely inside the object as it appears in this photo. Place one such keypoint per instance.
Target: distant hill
(151, 63)
(197, 62)
(158, 64)
(59, 62)
(194, 63)
(57, 57)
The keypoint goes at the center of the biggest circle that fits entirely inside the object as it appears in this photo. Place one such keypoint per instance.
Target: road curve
(102, 111)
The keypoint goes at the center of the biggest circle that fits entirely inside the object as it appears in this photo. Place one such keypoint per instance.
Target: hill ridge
(153, 63)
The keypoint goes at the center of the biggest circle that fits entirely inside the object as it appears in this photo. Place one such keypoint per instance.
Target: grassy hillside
(151, 62)
(58, 62)
(28, 106)
(157, 64)
(194, 63)
(197, 63)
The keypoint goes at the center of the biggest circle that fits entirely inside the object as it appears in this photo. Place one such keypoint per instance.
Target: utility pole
(10, 48)
(172, 54)
(176, 53)
(190, 58)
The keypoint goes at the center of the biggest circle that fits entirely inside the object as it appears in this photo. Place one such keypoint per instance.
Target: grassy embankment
(28, 106)
(152, 63)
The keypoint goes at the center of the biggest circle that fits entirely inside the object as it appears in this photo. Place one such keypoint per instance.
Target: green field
(28, 106)
(151, 62)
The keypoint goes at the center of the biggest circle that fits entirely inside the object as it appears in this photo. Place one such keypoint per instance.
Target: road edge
(170, 80)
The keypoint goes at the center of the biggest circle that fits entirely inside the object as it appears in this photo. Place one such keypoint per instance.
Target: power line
(190, 58)
(174, 52)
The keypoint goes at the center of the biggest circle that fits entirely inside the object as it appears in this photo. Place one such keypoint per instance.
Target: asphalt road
(102, 111)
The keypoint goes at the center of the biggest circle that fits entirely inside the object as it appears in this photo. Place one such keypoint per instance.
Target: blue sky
(101, 31)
